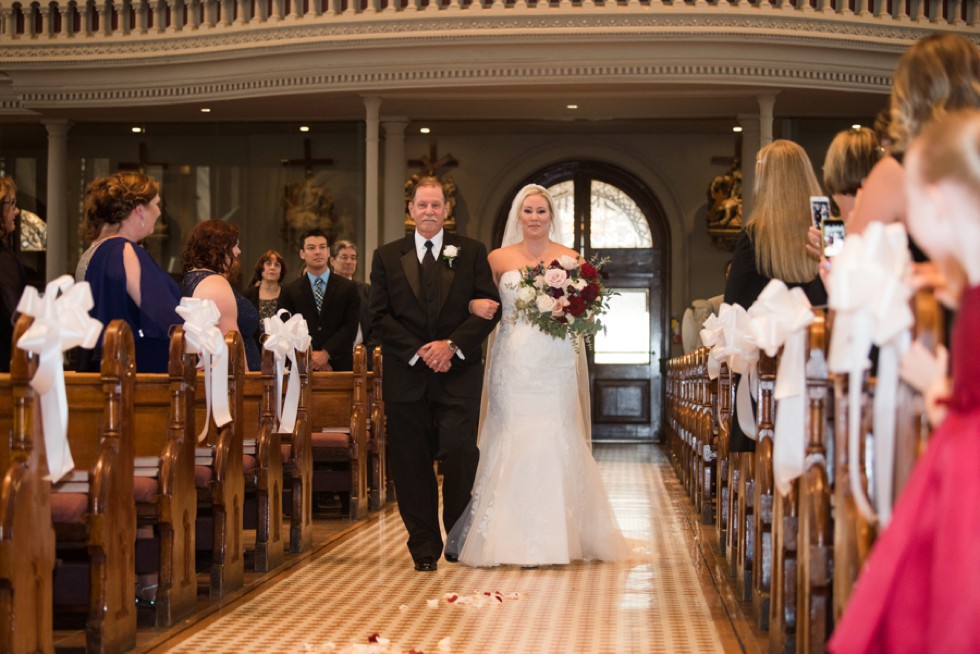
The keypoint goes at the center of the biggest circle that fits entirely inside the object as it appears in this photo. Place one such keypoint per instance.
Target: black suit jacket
(334, 328)
(398, 317)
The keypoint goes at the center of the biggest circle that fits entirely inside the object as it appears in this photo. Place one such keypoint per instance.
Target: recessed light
(737, 129)
(571, 106)
(137, 130)
(304, 128)
(424, 130)
(205, 110)
(856, 126)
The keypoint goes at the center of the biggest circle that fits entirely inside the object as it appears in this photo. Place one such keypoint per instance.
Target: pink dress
(919, 591)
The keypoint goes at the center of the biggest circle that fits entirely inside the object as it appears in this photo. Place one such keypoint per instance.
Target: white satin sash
(732, 341)
(284, 339)
(206, 340)
(61, 322)
(868, 292)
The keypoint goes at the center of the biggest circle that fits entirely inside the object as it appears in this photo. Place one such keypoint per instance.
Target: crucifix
(308, 162)
(431, 163)
(142, 164)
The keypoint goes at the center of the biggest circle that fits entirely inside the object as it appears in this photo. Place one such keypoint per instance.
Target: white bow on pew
(204, 338)
(779, 318)
(284, 339)
(731, 340)
(61, 322)
(870, 297)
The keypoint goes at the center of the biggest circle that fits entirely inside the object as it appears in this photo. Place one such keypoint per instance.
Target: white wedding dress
(538, 497)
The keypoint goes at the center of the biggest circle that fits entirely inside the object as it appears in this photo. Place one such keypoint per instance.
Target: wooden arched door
(605, 211)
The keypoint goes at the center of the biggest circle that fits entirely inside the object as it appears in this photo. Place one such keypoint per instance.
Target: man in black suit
(329, 303)
(421, 287)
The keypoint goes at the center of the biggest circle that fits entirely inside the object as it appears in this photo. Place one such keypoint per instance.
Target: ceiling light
(304, 128)
(571, 106)
(205, 110)
(424, 130)
(737, 129)
(855, 126)
(137, 130)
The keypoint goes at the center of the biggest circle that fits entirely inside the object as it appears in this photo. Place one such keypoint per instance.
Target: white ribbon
(205, 339)
(779, 318)
(733, 342)
(871, 300)
(61, 322)
(284, 339)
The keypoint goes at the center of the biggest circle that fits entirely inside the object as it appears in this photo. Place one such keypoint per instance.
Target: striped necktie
(318, 292)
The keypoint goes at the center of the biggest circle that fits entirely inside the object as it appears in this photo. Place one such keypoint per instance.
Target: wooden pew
(708, 453)
(723, 397)
(27, 541)
(96, 530)
(378, 437)
(166, 499)
(339, 416)
(297, 457)
(762, 502)
(262, 465)
(814, 606)
(220, 482)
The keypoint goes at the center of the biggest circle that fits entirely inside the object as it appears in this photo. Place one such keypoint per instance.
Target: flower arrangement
(564, 297)
(449, 254)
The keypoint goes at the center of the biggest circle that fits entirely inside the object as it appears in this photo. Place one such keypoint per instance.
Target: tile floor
(665, 601)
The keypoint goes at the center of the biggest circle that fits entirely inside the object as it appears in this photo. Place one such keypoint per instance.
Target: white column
(56, 259)
(750, 148)
(393, 225)
(372, 106)
(766, 104)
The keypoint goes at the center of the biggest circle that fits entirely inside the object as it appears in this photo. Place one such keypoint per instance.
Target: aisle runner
(367, 586)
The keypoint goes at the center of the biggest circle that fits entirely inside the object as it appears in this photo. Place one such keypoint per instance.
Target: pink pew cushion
(145, 488)
(68, 508)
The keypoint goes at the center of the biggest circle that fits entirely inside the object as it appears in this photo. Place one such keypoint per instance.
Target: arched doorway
(606, 211)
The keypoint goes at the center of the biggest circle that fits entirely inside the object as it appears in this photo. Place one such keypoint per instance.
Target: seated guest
(343, 261)
(210, 265)
(919, 590)
(120, 211)
(329, 303)
(774, 244)
(13, 280)
(264, 290)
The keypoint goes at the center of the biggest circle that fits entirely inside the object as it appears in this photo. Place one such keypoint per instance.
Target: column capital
(57, 126)
(372, 104)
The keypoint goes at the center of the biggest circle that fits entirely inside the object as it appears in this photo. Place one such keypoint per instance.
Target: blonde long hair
(784, 182)
(950, 149)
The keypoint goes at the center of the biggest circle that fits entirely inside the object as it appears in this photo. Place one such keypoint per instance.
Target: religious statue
(33, 232)
(725, 207)
(307, 205)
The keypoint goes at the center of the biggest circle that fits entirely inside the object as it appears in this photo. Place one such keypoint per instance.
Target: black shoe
(426, 564)
(452, 558)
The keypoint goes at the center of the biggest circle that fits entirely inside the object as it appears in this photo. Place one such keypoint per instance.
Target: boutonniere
(449, 253)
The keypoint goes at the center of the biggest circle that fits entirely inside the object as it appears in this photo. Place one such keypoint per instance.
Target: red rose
(588, 271)
(590, 292)
(576, 306)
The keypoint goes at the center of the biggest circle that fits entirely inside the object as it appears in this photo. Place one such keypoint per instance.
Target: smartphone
(833, 237)
(819, 209)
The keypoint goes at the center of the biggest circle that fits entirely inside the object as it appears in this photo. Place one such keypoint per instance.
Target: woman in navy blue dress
(120, 211)
(210, 264)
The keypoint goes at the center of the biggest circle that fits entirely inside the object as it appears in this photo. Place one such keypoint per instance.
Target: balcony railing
(84, 21)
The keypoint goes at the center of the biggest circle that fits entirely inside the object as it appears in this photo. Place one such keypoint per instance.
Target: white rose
(545, 303)
(567, 262)
(555, 277)
(578, 284)
(450, 251)
(526, 294)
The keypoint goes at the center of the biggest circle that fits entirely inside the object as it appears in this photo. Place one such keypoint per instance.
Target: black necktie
(428, 259)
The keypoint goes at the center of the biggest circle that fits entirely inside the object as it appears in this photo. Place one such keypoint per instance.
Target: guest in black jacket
(266, 287)
(329, 303)
(343, 261)
(12, 276)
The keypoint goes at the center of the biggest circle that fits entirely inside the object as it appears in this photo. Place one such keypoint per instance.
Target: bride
(538, 498)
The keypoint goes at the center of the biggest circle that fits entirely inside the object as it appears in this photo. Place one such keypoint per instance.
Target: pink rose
(555, 277)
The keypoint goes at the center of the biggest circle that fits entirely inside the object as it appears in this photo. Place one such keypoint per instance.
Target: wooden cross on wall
(308, 162)
(431, 163)
(142, 164)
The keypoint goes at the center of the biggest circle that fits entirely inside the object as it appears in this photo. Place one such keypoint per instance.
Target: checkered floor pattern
(366, 586)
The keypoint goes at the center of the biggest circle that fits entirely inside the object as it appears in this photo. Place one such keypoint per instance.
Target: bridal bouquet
(564, 297)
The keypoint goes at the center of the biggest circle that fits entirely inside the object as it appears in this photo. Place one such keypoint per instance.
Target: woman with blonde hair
(938, 74)
(774, 244)
(849, 160)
